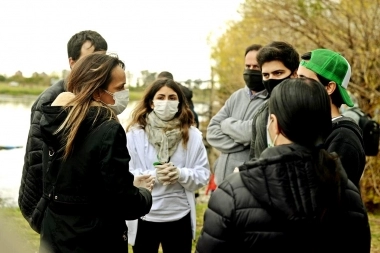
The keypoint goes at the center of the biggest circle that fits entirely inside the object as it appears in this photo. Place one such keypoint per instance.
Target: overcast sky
(152, 35)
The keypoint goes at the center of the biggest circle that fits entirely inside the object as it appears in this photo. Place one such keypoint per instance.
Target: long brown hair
(143, 108)
(88, 75)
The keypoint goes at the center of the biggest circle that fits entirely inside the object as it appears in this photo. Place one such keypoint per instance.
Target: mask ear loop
(275, 139)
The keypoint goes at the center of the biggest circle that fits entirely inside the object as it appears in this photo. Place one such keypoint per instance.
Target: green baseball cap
(332, 66)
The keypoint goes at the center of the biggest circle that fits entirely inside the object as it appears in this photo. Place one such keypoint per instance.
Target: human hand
(145, 181)
(168, 175)
(161, 171)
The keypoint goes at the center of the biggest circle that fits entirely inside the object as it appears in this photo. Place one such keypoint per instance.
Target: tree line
(350, 27)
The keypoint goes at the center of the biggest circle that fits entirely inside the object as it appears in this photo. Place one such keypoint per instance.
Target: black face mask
(271, 83)
(253, 79)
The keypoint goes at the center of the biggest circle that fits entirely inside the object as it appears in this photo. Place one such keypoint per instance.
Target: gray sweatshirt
(230, 131)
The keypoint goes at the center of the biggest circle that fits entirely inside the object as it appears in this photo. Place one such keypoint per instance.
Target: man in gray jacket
(229, 130)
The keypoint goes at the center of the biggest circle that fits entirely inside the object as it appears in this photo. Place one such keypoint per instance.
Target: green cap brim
(346, 98)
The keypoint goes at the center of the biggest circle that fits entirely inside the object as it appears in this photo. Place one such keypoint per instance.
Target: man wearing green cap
(334, 72)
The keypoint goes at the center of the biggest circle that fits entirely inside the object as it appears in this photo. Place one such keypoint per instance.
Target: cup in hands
(145, 181)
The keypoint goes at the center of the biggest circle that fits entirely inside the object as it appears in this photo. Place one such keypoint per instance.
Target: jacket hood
(54, 116)
(285, 182)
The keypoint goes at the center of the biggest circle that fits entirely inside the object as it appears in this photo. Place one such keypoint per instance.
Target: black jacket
(346, 140)
(259, 140)
(92, 190)
(272, 205)
(30, 190)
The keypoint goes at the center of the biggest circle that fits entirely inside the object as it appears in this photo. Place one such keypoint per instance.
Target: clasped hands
(167, 173)
(145, 181)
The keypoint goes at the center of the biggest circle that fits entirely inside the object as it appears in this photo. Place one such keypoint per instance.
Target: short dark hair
(165, 74)
(279, 51)
(336, 98)
(253, 47)
(302, 108)
(76, 42)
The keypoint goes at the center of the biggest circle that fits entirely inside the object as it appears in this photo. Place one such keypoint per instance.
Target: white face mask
(165, 109)
(121, 101)
(269, 140)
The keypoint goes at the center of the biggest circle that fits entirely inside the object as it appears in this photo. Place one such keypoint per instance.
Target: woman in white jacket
(163, 142)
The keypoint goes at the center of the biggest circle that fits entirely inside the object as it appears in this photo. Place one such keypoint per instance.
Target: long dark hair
(302, 108)
(143, 108)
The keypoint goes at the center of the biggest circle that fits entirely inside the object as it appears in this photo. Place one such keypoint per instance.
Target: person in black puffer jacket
(296, 197)
(30, 192)
(92, 191)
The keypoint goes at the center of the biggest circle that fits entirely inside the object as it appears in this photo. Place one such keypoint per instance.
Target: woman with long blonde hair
(163, 143)
(90, 187)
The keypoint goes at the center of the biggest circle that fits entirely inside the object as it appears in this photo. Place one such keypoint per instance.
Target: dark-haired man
(80, 44)
(278, 61)
(229, 129)
(334, 72)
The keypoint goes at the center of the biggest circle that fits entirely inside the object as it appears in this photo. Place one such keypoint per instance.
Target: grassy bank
(18, 233)
(199, 96)
(21, 90)
(35, 90)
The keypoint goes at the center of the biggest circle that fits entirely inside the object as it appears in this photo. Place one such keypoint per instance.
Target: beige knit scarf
(163, 135)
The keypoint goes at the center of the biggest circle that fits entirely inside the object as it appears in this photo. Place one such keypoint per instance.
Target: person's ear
(151, 104)
(96, 95)
(294, 74)
(276, 127)
(330, 88)
(71, 62)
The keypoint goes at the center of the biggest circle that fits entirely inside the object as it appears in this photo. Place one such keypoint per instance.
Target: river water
(14, 127)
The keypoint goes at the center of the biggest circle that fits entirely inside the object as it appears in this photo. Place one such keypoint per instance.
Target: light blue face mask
(121, 101)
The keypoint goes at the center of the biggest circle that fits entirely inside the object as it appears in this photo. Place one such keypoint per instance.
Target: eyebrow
(279, 70)
(160, 94)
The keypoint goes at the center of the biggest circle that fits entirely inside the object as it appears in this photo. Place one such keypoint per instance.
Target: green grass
(18, 229)
(199, 96)
(16, 226)
(21, 89)
(35, 90)
(374, 221)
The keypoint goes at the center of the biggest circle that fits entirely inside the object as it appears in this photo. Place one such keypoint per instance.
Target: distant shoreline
(31, 93)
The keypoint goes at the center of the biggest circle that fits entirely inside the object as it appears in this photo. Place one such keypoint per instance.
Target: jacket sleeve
(30, 190)
(258, 134)
(130, 201)
(350, 151)
(198, 172)
(217, 232)
(136, 166)
(239, 130)
(216, 137)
